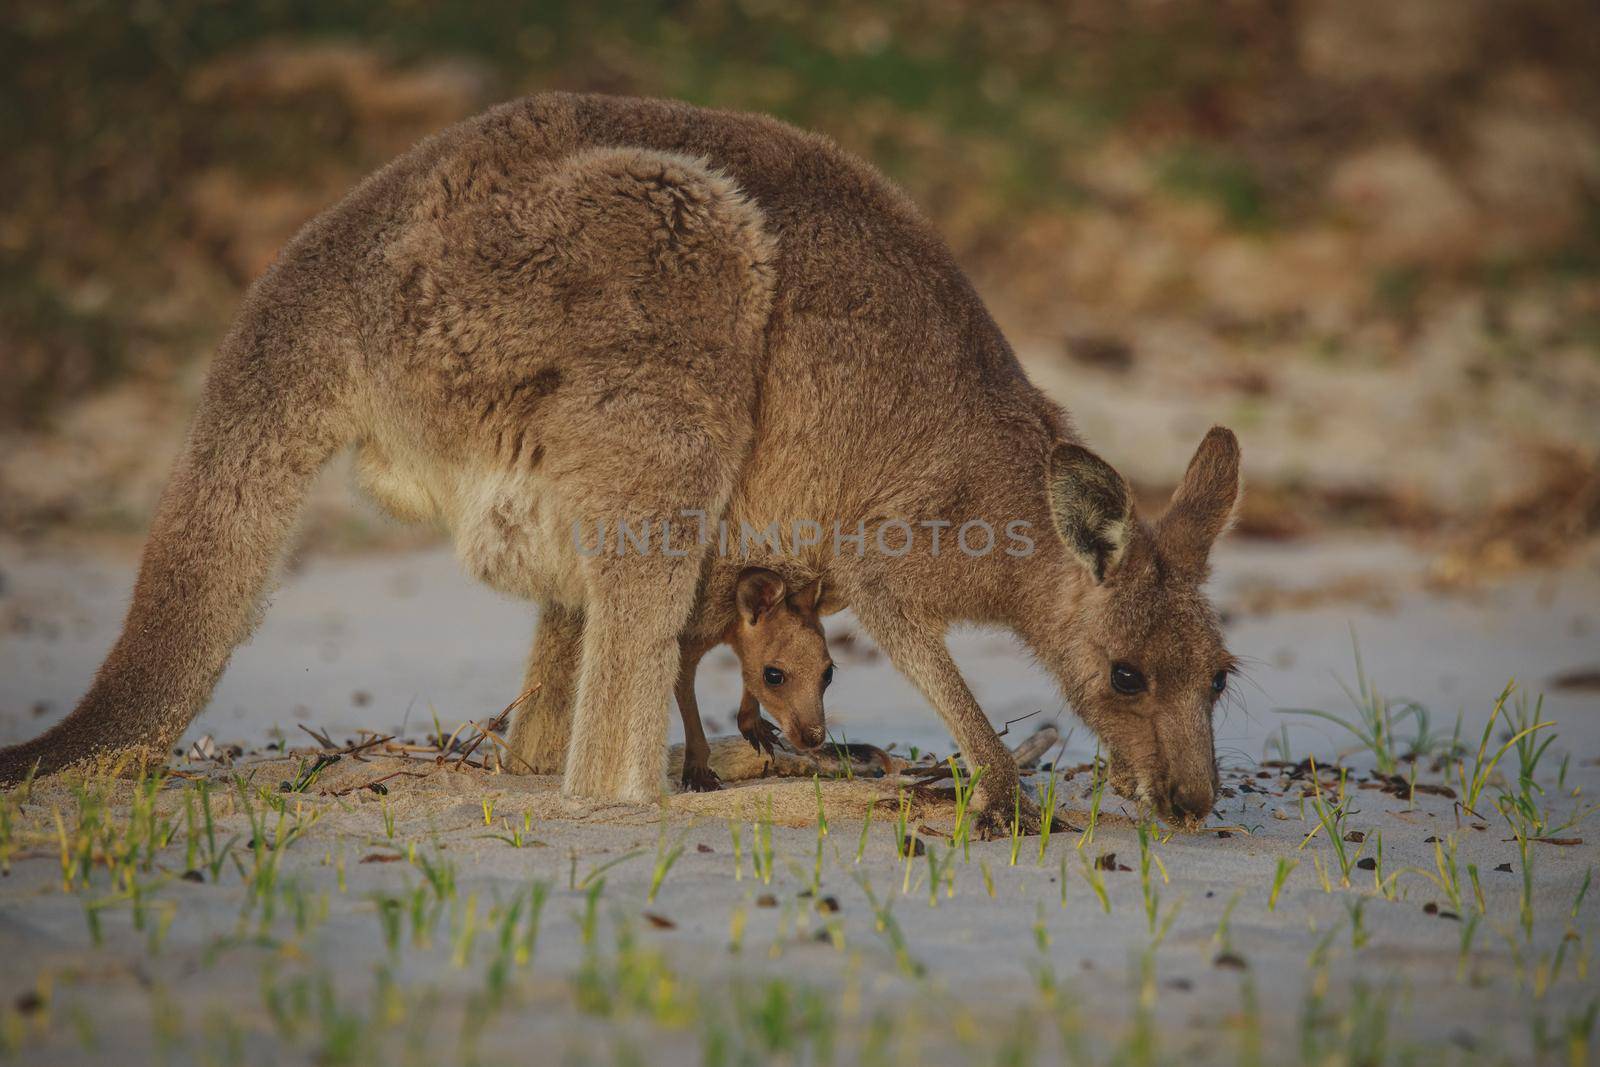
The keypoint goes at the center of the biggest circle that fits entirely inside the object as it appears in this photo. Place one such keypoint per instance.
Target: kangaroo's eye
(772, 676)
(1127, 680)
(827, 676)
(1219, 681)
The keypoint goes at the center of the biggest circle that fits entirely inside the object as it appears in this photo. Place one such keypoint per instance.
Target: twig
(355, 748)
(320, 738)
(493, 726)
(1007, 727)
(376, 781)
(506, 749)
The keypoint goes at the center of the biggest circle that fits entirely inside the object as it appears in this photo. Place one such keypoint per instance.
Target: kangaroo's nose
(811, 736)
(1191, 801)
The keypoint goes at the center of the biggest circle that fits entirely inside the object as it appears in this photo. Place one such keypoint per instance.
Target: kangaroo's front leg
(916, 646)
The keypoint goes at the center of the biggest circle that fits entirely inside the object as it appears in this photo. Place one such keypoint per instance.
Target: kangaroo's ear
(1202, 505)
(759, 591)
(1092, 508)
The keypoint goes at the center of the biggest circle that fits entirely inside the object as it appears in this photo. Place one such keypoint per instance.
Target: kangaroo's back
(871, 325)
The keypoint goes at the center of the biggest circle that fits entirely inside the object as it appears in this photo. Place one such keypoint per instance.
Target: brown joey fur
(783, 660)
(598, 309)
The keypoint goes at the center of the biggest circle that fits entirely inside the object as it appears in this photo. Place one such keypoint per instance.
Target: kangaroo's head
(783, 653)
(1141, 655)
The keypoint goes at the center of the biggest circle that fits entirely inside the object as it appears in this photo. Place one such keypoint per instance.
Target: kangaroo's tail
(269, 418)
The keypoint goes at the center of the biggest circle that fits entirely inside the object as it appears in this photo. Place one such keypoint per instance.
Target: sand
(998, 965)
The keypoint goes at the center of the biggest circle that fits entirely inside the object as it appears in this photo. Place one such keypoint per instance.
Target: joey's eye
(772, 676)
(1219, 681)
(827, 676)
(1127, 680)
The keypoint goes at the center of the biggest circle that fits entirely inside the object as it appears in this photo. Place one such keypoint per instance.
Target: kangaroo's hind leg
(543, 724)
(638, 603)
(664, 272)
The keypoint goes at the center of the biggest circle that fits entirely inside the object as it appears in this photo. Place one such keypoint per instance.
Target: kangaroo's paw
(762, 735)
(997, 821)
(701, 779)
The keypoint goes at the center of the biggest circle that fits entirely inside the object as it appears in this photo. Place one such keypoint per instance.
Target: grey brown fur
(596, 308)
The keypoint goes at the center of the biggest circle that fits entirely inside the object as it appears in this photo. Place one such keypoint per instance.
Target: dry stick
(1007, 727)
(420, 755)
(320, 738)
(355, 748)
(493, 726)
(1028, 753)
(446, 744)
(374, 741)
(368, 785)
(506, 751)
(407, 748)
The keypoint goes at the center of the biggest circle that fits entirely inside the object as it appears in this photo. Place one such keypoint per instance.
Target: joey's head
(1138, 648)
(783, 653)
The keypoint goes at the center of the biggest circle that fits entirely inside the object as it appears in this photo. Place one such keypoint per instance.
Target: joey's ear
(808, 598)
(759, 591)
(1092, 508)
(1202, 505)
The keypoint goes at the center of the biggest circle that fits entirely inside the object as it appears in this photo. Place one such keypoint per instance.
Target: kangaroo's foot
(999, 812)
(700, 779)
(762, 735)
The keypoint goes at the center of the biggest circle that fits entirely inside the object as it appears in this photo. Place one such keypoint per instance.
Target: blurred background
(1364, 233)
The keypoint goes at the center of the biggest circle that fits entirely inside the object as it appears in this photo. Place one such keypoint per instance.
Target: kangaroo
(783, 656)
(601, 315)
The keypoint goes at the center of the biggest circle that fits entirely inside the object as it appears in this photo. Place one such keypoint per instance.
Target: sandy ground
(726, 967)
